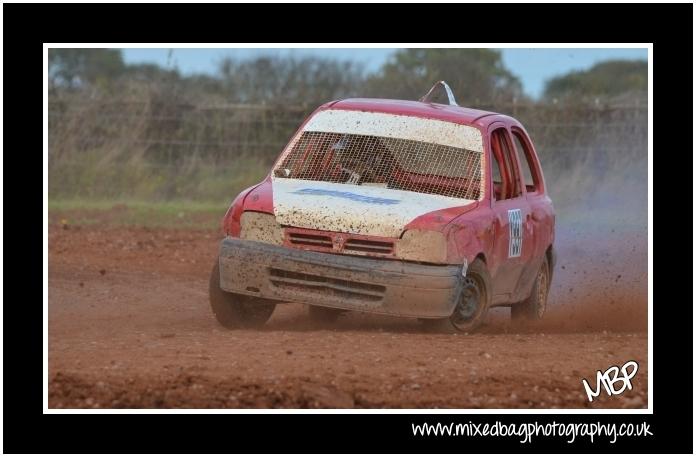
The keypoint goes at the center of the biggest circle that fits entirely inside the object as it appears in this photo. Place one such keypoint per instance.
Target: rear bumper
(338, 281)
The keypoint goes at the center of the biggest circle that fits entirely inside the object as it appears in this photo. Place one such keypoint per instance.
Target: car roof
(448, 113)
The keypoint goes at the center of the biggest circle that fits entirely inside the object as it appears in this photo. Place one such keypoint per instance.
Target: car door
(538, 225)
(511, 211)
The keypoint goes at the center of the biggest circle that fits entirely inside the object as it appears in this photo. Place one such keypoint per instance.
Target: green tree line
(475, 75)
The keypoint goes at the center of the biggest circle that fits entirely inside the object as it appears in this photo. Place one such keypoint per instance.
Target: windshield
(383, 161)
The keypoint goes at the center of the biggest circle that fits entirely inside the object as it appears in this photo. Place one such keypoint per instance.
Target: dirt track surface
(130, 327)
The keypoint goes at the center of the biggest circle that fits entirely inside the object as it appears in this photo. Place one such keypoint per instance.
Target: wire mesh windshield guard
(384, 162)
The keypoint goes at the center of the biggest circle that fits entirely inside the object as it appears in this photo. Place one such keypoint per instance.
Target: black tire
(323, 315)
(472, 306)
(235, 311)
(534, 307)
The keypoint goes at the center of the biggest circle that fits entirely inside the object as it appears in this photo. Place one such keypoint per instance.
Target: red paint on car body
(480, 229)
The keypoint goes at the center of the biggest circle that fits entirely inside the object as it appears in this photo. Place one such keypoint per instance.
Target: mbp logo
(515, 222)
(610, 377)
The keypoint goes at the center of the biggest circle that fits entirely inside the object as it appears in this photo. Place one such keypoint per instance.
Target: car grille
(369, 246)
(339, 242)
(310, 240)
(320, 285)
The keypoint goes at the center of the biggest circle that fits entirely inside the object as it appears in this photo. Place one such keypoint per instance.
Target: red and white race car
(406, 208)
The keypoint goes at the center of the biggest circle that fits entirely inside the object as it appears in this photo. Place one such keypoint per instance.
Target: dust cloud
(601, 277)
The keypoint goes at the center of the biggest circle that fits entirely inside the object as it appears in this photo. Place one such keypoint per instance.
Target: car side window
(529, 173)
(497, 177)
(508, 185)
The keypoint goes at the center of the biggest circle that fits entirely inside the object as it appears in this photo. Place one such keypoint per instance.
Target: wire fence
(159, 149)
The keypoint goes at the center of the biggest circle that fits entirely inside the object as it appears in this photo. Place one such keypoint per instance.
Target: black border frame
(27, 27)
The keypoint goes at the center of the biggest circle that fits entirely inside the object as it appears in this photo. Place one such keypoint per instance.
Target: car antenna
(450, 96)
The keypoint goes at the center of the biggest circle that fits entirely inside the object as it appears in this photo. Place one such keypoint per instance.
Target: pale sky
(532, 66)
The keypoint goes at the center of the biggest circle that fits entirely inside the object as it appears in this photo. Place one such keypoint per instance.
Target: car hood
(349, 208)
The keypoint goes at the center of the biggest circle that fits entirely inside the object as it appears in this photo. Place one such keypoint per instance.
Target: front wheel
(235, 311)
(472, 305)
(534, 307)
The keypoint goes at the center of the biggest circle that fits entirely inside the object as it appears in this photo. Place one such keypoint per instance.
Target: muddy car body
(406, 208)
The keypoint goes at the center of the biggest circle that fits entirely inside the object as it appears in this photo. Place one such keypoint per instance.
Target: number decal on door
(515, 219)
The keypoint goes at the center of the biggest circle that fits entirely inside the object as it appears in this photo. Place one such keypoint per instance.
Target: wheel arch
(551, 259)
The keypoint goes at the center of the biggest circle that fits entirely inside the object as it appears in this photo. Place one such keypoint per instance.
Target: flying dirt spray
(601, 279)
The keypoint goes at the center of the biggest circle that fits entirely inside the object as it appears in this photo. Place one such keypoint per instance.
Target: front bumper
(339, 281)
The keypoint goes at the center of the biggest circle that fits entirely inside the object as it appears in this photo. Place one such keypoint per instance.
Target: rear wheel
(472, 305)
(236, 311)
(534, 307)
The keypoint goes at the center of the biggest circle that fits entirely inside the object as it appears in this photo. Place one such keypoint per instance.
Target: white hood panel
(364, 210)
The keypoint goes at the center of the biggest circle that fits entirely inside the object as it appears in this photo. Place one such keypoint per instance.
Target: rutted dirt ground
(130, 327)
